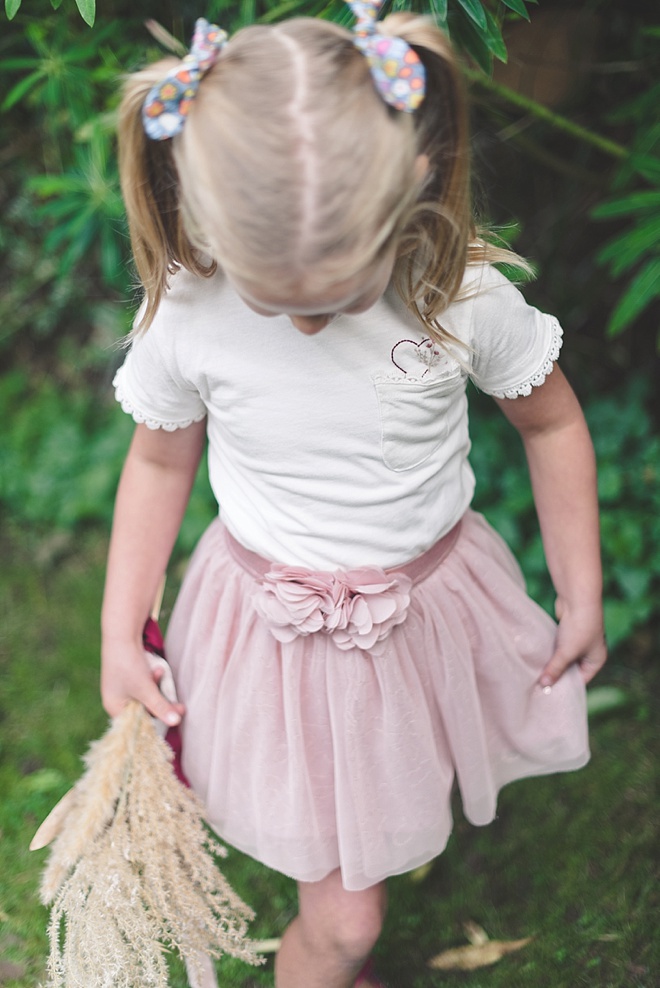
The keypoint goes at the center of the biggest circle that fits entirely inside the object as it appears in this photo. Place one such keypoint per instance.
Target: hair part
(292, 171)
(287, 183)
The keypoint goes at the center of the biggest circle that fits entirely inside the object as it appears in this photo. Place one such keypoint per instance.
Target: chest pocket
(415, 417)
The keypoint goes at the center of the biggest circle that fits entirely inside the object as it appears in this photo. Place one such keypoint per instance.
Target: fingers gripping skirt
(310, 758)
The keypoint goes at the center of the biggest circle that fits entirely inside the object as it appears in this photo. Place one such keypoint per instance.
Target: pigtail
(150, 187)
(435, 241)
(440, 238)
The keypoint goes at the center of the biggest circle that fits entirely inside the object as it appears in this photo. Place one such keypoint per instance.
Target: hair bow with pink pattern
(397, 70)
(166, 107)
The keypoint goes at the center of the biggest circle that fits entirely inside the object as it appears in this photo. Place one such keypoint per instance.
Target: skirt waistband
(416, 570)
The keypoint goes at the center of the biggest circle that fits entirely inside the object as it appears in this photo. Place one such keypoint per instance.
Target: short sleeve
(150, 385)
(514, 345)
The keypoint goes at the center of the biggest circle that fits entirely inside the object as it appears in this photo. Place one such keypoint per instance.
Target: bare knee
(346, 924)
(358, 926)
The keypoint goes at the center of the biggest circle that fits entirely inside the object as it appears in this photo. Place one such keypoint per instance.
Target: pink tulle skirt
(310, 755)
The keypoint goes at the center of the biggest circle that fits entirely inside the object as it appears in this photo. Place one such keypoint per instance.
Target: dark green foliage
(63, 228)
(62, 456)
(628, 452)
(634, 252)
(484, 16)
(584, 173)
(628, 449)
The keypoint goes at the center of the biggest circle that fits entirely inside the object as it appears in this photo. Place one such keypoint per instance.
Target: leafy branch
(540, 112)
(633, 251)
(87, 9)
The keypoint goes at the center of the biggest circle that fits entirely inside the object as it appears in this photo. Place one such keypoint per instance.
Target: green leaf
(636, 202)
(602, 699)
(518, 6)
(619, 621)
(44, 780)
(641, 291)
(11, 8)
(81, 242)
(468, 37)
(629, 248)
(439, 10)
(112, 261)
(610, 482)
(284, 9)
(494, 39)
(21, 88)
(87, 10)
(9, 64)
(248, 12)
(645, 165)
(634, 583)
(56, 4)
(475, 10)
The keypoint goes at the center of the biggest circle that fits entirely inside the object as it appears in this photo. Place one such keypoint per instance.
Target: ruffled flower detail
(357, 608)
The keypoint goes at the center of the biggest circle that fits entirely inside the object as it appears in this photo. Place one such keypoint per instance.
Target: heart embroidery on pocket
(407, 356)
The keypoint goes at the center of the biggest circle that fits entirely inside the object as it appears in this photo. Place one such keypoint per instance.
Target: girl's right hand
(125, 675)
(153, 492)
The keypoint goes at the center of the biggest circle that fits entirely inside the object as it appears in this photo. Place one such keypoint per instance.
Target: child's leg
(328, 942)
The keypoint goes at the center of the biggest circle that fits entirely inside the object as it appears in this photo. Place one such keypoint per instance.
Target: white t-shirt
(342, 449)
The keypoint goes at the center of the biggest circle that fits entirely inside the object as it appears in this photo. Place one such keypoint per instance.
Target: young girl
(350, 637)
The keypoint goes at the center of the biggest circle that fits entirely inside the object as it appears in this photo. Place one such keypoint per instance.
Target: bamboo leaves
(475, 24)
(636, 249)
(87, 9)
(475, 10)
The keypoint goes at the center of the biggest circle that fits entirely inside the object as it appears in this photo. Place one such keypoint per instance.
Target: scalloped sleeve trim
(142, 419)
(535, 380)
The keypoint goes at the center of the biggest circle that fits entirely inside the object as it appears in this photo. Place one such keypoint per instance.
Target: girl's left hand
(580, 639)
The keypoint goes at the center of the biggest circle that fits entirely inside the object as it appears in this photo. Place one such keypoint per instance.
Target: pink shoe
(367, 977)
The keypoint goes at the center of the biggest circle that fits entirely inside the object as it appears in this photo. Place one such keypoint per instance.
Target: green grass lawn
(573, 860)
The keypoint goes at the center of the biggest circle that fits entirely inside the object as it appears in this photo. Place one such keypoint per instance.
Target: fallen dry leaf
(475, 933)
(474, 956)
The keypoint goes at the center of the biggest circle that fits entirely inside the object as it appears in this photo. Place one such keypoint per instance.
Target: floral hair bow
(396, 69)
(167, 104)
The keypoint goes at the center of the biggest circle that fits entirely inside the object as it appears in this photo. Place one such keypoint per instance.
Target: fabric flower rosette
(357, 608)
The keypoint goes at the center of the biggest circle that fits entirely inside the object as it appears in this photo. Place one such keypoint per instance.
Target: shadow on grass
(572, 860)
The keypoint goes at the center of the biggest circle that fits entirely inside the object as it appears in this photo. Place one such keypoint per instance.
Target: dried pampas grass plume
(132, 872)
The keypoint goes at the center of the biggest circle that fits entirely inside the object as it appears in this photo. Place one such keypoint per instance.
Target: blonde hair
(292, 171)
